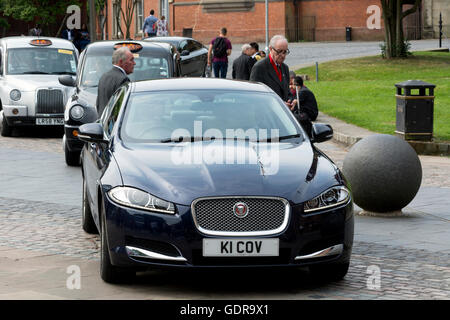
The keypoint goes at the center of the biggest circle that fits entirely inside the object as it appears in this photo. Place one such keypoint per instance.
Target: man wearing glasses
(273, 72)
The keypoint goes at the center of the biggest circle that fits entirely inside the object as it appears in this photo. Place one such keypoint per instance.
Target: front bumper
(138, 238)
(16, 121)
(71, 140)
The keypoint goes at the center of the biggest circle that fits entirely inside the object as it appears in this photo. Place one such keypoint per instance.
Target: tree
(127, 14)
(45, 12)
(393, 16)
(101, 7)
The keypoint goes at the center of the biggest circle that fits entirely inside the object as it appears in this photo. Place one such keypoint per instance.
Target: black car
(153, 61)
(185, 182)
(194, 56)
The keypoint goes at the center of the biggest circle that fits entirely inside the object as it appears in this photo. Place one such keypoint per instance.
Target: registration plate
(49, 121)
(240, 247)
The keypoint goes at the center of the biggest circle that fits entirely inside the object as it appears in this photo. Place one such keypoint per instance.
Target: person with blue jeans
(149, 27)
(219, 62)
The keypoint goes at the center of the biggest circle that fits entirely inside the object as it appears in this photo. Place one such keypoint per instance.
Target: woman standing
(163, 27)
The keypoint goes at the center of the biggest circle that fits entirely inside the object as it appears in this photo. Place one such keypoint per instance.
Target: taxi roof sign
(40, 42)
(134, 47)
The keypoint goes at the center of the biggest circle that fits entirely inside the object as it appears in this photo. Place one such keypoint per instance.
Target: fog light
(15, 111)
(75, 133)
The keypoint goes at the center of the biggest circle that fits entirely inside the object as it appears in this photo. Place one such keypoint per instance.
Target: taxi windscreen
(41, 61)
(146, 68)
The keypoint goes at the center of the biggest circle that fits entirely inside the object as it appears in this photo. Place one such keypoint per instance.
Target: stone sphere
(384, 173)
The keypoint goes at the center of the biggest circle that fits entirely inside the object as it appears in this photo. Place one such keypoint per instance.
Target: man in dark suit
(123, 65)
(274, 72)
(307, 110)
(242, 66)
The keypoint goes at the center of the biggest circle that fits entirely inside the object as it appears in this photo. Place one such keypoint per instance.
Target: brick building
(298, 20)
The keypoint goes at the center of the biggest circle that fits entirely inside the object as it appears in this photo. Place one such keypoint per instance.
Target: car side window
(113, 111)
(1, 61)
(183, 45)
(194, 45)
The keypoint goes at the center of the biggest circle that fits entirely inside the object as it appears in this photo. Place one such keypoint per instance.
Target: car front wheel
(108, 272)
(86, 217)
(6, 129)
(329, 272)
(72, 158)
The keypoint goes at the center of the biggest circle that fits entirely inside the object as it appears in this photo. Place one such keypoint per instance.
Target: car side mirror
(67, 80)
(321, 132)
(184, 53)
(91, 132)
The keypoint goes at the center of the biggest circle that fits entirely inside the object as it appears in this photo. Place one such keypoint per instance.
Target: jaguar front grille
(216, 216)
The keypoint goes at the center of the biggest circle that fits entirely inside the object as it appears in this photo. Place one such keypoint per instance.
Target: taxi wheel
(72, 158)
(108, 272)
(87, 221)
(6, 129)
(329, 272)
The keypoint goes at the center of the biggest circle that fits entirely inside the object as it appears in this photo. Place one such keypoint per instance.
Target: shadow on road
(38, 132)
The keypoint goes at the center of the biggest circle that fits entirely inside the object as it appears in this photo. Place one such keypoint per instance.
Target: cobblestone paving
(404, 273)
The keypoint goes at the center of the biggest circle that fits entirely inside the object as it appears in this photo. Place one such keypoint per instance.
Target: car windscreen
(147, 67)
(40, 60)
(165, 116)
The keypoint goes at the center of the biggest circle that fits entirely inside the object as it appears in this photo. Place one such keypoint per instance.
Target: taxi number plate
(240, 247)
(49, 121)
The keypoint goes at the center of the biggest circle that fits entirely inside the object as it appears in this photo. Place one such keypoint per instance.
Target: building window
(139, 16)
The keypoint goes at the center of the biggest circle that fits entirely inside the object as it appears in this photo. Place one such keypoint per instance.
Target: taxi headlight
(138, 199)
(77, 112)
(332, 197)
(15, 95)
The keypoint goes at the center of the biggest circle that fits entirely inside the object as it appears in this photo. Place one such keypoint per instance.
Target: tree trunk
(393, 23)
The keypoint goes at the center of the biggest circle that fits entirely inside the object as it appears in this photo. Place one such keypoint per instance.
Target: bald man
(123, 64)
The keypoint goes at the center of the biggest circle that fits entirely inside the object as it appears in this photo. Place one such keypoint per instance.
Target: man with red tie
(273, 72)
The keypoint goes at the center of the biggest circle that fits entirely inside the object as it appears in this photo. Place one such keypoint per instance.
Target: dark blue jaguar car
(198, 172)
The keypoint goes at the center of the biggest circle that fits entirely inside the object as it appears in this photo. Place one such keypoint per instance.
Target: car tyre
(108, 272)
(329, 272)
(6, 129)
(72, 158)
(87, 221)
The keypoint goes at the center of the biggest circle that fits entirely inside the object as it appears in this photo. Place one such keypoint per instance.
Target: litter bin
(348, 33)
(414, 116)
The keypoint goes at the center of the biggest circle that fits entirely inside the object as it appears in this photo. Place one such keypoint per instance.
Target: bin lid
(415, 84)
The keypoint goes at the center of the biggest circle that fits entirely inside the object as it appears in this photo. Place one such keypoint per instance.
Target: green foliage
(362, 91)
(46, 11)
(403, 51)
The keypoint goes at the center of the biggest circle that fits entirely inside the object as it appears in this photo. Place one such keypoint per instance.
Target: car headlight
(138, 199)
(332, 197)
(15, 95)
(76, 112)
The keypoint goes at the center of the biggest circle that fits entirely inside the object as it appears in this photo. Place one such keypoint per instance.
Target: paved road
(308, 53)
(41, 236)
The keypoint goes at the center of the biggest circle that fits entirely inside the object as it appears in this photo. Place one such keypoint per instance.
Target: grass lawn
(362, 91)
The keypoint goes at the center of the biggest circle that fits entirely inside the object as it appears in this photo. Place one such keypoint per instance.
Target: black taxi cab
(153, 61)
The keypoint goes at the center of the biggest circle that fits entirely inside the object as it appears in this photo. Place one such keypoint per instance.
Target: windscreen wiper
(274, 139)
(186, 139)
